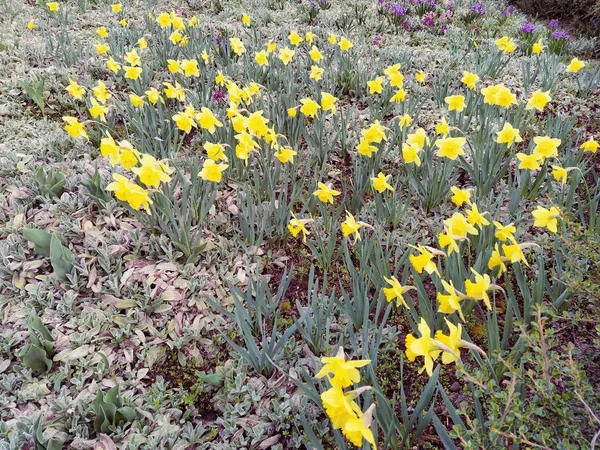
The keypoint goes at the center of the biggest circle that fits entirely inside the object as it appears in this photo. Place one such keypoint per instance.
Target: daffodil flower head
(345, 373)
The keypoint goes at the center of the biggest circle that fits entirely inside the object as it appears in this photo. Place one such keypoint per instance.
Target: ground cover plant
(285, 224)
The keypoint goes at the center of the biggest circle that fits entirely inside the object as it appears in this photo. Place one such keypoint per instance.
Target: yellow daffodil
(212, 171)
(345, 373)
(478, 289)
(297, 226)
(470, 79)
(450, 148)
(285, 55)
(74, 127)
(396, 291)
(538, 100)
(450, 302)
(75, 90)
(460, 196)
(575, 66)
(546, 218)
(376, 85)
(424, 346)
(590, 145)
(380, 183)
(508, 135)
(325, 193)
(309, 107)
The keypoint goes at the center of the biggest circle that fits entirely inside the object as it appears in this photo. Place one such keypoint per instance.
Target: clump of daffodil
(340, 406)
(430, 348)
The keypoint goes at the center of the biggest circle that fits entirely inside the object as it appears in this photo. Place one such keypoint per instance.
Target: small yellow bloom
(246, 20)
(325, 193)
(575, 66)
(505, 44)
(152, 172)
(261, 58)
(316, 73)
(546, 218)
(52, 6)
(116, 7)
(285, 55)
(451, 148)
(297, 226)
(421, 76)
(460, 196)
(286, 155)
(75, 90)
(190, 68)
(470, 79)
(74, 127)
(345, 44)
(508, 135)
(404, 120)
(529, 162)
(136, 101)
(380, 183)
(112, 65)
(295, 38)
(396, 291)
(538, 47)
(351, 226)
(538, 100)
(102, 32)
(328, 102)
(309, 107)
(123, 22)
(142, 43)
(133, 73)
(102, 48)
(590, 146)
(376, 85)
(31, 25)
(559, 173)
(455, 102)
(212, 171)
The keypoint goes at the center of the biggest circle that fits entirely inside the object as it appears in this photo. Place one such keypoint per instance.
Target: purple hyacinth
(553, 23)
(443, 28)
(528, 28)
(560, 34)
(377, 41)
(429, 19)
(478, 8)
(397, 9)
(451, 4)
(219, 96)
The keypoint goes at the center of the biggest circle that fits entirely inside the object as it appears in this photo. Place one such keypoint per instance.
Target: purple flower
(406, 25)
(451, 4)
(443, 28)
(528, 28)
(377, 41)
(429, 19)
(560, 34)
(397, 9)
(553, 23)
(511, 9)
(219, 96)
(478, 8)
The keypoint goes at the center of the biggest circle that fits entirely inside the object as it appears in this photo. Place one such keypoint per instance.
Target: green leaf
(34, 358)
(41, 240)
(61, 258)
